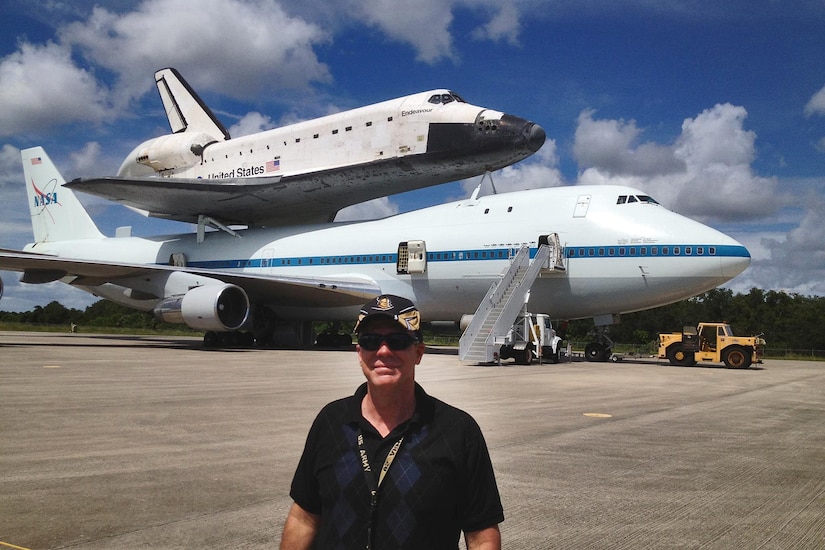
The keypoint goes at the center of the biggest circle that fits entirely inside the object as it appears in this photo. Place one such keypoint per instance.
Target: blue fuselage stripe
(576, 252)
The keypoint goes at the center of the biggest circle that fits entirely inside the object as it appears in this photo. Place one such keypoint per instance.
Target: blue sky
(716, 109)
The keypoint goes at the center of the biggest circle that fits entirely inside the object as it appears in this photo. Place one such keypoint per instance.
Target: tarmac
(122, 442)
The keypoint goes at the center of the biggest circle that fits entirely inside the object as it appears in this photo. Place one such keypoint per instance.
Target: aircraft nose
(737, 261)
(535, 136)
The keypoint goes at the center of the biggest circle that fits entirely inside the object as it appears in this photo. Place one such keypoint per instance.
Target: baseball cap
(392, 307)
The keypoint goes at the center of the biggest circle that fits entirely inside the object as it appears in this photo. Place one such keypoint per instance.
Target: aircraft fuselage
(621, 255)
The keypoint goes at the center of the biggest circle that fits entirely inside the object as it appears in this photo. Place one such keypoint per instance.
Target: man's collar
(423, 406)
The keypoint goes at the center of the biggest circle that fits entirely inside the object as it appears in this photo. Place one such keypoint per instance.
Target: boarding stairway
(505, 300)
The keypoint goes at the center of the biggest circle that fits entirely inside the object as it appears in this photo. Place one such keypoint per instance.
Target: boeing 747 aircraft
(622, 252)
(307, 172)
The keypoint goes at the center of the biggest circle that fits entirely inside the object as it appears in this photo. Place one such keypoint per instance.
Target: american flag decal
(36, 161)
(273, 165)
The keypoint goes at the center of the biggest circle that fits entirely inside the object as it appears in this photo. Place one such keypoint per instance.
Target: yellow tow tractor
(709, 343)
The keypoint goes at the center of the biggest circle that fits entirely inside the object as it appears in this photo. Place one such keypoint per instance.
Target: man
(391, 467)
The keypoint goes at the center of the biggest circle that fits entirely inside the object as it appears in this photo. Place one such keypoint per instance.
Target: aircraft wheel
(596, 352)
(246, 339)
(736, 357)
(677, 355)
(211, 340)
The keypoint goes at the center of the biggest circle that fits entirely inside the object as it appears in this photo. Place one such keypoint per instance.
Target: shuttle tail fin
(57, 214)
(184, 108)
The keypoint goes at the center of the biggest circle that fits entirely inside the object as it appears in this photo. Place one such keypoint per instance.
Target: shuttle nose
(522, 133)
(534, 136)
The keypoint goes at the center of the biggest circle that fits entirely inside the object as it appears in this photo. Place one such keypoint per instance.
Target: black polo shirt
(440, 484)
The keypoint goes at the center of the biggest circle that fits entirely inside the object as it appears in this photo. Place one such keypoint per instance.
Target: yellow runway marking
(51, 366)
(598, 415)
(7, 545)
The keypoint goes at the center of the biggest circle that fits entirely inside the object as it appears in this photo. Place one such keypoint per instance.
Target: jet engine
(173, 151)
(219, 308)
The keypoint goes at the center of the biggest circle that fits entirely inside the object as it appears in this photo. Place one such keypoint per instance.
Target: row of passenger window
(641, 251)
(383, 258)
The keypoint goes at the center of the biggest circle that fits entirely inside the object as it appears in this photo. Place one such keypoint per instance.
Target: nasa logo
(45, 199)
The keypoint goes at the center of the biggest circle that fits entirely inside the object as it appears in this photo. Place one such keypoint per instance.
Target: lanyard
(372, 485)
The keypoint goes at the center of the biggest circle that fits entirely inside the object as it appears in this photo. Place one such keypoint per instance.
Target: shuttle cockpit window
(439, 99)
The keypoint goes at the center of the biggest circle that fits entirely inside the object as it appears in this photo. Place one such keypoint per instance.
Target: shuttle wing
(284, 291)
(262, 201)
(247, 201)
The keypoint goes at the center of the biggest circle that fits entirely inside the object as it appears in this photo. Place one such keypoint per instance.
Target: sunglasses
(396, 341)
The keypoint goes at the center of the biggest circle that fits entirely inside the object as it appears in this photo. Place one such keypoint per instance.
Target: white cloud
(87, 160)
(40, 86)
(234, 47)
(504, 25)
(15, 224)
(610, 146)
(816, 105)
(370, 210)
(706, 174)
(21, 297)
(424, 24)
(251, 123)
(538, 171)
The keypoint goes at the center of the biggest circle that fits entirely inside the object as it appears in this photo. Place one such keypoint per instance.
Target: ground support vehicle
(711, 343)
(531, 336)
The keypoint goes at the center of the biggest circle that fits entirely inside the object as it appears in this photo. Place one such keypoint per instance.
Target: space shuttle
(620, 252)
(307, 172)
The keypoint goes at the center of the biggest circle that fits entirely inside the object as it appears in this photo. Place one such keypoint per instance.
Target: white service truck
(531, 336)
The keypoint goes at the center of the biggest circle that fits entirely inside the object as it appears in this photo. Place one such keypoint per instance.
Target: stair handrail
(515, 303)
(492, 299)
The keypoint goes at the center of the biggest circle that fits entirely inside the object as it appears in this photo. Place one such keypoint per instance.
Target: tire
(550, 355)
(677, 355)
(736, 357)
(211, 340)
(596, 352)
(524, 357)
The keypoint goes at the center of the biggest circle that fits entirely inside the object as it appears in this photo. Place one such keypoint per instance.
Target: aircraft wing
(284, 291)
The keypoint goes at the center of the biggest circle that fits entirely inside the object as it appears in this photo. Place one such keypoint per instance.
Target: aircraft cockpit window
(457, 97)
(436, 99)
(627, 199)
(446, 98)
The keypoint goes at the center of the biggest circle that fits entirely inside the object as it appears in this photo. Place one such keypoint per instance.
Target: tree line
(788, 321)
(101, 314)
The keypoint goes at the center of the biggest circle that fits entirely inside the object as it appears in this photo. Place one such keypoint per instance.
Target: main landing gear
(601, 348)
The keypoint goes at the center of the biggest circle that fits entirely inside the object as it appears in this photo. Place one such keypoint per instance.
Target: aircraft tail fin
(184, 108)
(57, 214)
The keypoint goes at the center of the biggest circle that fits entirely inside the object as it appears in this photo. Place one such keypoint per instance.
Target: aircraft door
(582, 205)
(267, 260)
(412, 257)
(177, 259)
